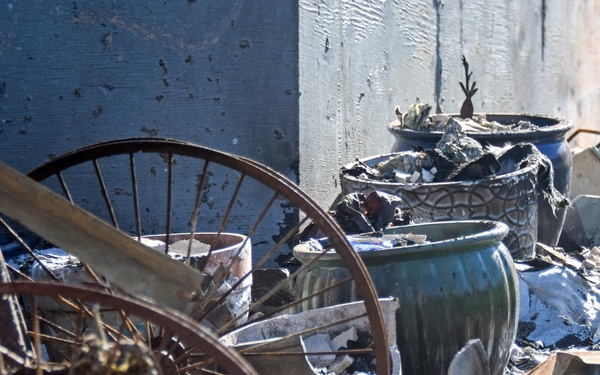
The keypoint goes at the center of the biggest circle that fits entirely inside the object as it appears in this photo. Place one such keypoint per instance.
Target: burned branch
(466, 111)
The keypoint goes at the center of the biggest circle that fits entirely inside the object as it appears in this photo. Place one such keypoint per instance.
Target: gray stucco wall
(359, 59)
(218, 73)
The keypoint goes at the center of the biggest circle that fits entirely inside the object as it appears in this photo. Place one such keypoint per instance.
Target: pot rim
(496, 179)
(181, 236)
(484, 232)
(558, 127)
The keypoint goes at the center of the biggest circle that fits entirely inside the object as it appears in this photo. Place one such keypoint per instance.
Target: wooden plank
(122, 260)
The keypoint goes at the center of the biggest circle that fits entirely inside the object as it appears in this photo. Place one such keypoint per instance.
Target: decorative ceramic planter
(510, 198)
(462, 285)
(548, 137)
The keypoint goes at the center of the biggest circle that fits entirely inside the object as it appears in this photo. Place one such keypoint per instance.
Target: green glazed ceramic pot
(459, 286)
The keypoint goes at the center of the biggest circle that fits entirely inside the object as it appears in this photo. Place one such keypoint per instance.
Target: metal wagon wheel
(133, 178)
(123, 335)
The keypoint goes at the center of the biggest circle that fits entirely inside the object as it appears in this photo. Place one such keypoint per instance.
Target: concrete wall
(218, 73)
(359, 59)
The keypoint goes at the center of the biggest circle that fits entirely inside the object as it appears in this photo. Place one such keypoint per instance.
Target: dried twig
(466, 111)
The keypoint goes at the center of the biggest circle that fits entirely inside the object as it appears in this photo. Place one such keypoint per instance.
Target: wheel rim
(173, 152)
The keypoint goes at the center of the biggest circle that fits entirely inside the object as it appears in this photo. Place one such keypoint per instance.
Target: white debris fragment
(401, 176)
(319, 343)
(427, 176)
(341, 340)
(415, 177)
(340, 364)
(154, 244)
(178, 247)
(589, 264)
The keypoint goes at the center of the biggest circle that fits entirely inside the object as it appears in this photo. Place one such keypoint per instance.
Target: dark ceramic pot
(510, 198)
(549, 138)
(462, 285)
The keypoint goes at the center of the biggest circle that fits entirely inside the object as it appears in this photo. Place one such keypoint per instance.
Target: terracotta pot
(230, 248)
(510, 198)
(462, 285)
(228, 245)
(549, 138)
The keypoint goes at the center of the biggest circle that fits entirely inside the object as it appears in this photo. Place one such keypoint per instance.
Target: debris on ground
(346, 333)
(69, 269)
(263, 283)
(356, 213)
(559, 321)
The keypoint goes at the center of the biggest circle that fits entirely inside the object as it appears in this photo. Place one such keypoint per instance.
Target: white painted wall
(359, 59)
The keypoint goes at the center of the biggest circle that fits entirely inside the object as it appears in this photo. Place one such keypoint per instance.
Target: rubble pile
(69, 269)
(456, 157)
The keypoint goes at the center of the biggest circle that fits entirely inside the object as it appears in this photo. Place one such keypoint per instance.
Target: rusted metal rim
(181, 326)
(270, 178)
(585, 131)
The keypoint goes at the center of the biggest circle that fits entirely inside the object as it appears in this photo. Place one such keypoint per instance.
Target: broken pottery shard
(483, 167)
(415, 177)
(319, 343)
(470, 360)
(581, 228)
(457, 146)
(341, 340)
(340, 364)
(572, 362)
(268, 363)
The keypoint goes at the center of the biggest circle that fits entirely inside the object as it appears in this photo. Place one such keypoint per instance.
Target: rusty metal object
(175, 341)
(12, 322)
(130, 157)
